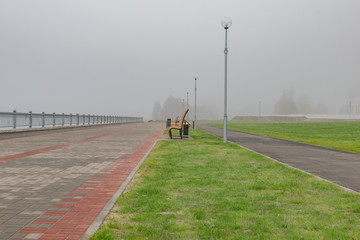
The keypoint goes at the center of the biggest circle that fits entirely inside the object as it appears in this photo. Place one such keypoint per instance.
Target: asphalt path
(340, 167)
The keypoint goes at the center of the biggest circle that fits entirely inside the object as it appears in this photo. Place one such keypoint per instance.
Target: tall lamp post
(195, 101)
(226, 23)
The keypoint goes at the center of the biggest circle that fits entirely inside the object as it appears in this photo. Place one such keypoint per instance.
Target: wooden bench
(180, 126)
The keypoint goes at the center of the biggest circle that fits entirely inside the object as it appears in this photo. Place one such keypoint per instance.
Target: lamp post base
(225, 129)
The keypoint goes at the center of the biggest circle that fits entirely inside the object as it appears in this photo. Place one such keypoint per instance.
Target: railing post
(63, 119)
(43, 119)
(70, 119)
(14, 119)
(77, 119)
(30, 119)
(54, 121)
(83, 119)
(93, 118)
(89, 119)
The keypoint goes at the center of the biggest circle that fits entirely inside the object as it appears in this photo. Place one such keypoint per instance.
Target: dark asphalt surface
(342, 168)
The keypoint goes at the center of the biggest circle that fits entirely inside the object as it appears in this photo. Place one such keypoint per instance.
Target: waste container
(186, 130)
(168, 122)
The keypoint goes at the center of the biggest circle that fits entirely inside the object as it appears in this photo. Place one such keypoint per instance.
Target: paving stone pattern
(53, 185)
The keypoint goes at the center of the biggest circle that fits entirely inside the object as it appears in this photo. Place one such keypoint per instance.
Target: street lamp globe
(226, 23)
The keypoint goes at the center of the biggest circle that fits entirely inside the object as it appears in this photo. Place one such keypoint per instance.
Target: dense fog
(130, 57)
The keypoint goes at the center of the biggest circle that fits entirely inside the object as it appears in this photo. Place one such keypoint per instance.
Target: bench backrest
(183, 117)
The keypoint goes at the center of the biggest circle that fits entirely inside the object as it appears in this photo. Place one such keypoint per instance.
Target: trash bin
(186, 130)
(168, 122)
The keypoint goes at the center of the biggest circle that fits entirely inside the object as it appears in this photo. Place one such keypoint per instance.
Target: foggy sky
(121, 56)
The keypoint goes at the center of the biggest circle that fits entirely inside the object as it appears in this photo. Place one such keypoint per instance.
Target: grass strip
(204, 189)
(338, 135)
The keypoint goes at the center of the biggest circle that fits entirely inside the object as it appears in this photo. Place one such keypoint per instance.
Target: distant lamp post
(226, 23)
(350, 109)
(259, 108)
(187, 99)
(195, 101)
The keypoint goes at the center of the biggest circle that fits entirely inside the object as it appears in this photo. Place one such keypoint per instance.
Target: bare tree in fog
(156, 114)
(304, 106)
(208, 112)
(172, 108)
(286, 104)
(321, 109)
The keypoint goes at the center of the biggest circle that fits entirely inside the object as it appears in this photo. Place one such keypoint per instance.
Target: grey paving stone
(16, 220)
(38, 225)
(13, 229)
(59, 209)
(19, 235)
(33, 236)
(49, 217)
(5, 236)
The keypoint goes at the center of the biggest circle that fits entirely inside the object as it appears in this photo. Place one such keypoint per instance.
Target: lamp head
(226, 23)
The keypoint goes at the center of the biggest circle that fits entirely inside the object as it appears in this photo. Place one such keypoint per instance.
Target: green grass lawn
(339, 135)
(204, 189)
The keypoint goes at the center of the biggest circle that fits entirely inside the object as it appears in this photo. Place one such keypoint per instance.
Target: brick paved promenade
(53, 184)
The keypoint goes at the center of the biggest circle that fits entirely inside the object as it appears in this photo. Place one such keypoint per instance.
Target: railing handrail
(61, 119)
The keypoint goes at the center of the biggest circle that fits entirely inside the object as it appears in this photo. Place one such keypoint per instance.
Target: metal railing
(29, 120)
